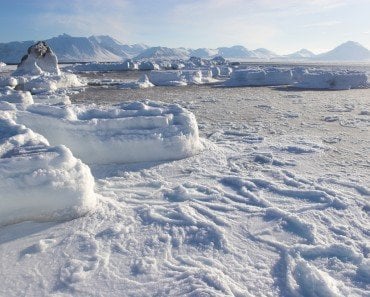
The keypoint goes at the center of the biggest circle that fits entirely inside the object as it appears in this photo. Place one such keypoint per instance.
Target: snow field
(276, 204)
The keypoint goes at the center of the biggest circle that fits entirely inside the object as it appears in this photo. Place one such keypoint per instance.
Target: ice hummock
(260, 77)
(142, 83)
(20, 98)
(298, 77)
(39, 72)
(38, 60)
(124, 133)
(181, 77)
(332, 80)
(96, 66)
(38, 181)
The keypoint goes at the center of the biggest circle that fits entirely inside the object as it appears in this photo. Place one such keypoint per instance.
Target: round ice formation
(40, 182)
(125, 133)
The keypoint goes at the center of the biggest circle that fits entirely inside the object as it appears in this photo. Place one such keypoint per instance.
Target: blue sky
(280, 25)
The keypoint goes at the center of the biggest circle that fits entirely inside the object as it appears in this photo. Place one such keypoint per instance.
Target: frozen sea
(277, 204)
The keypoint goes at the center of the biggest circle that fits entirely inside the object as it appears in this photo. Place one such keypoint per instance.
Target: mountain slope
(80, 49)
(160, 52)
(301, 54)
(13, 52)
(349, 51)
(117, 48)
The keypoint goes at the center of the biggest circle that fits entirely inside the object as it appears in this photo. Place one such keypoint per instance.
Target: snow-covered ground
(276, 204)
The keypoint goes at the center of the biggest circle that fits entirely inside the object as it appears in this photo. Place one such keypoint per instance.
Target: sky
(283, 26)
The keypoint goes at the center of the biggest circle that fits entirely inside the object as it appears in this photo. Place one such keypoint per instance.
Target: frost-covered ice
(126, 133)
(48, 83)
(20, 98)
(260, 77)
(148, 65)
(276, 204)
(95, 66)
(38, 181)
(142, 83)
(38, 60)
(38, 72)
(333, 80)
(167, 78)
(181, 77)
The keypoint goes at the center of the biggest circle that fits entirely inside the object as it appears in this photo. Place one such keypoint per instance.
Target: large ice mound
(334, 80)
(39, 72)
(40, 182)
(39, 59)
(125, 133)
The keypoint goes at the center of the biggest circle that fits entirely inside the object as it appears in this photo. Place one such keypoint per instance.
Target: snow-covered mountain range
(107, 49)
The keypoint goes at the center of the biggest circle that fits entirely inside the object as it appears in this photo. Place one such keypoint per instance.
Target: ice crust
(38, 181)
(126, 133)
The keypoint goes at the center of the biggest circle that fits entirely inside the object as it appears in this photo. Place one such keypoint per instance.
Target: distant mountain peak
(348, 51)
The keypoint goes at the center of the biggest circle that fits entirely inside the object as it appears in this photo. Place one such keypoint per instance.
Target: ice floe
(126, 133)
(332, 80)
(260, 77)
(142, 83)
(39, 181)
(148, 65)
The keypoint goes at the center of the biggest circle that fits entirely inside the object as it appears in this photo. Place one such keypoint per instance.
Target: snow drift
(40, 182)
(125, 133)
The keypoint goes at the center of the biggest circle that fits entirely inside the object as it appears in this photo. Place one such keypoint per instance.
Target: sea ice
(142, 83)
(20, 98)
(260, 77)
(148, 65)
(334, 80)
(39, 72)
(40, 182)
(101, 67)
(125, 133)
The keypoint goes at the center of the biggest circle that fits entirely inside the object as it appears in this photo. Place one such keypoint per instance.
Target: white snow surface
(276, 204)
(126, 133)
(48, 83)
(20, 98)
(38, 181)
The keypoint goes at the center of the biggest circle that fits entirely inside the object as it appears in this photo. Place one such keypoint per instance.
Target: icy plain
(276, 204)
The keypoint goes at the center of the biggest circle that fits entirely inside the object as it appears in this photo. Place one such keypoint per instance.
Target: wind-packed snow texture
(276, 204)
(126, 133)
(40, 182)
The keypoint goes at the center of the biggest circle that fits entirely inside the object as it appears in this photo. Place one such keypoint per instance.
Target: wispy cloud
(322, 24)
